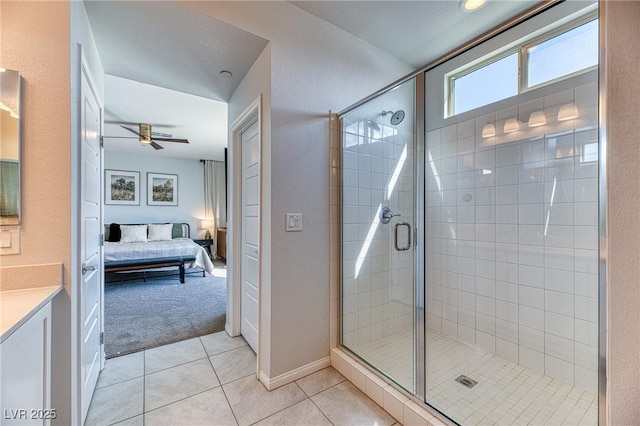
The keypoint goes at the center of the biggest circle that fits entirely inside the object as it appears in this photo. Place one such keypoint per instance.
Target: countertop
(17, 306)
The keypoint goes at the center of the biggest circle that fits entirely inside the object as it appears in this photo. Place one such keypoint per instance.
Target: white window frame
(524, 57)
(468, 69)
(521, 49)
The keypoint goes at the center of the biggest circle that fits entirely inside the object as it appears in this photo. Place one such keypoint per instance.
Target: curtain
(215, 198)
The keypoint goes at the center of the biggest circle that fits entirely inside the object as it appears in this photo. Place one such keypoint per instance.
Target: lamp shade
(488, 130)
(537, 119)
(568, 112)
(511, 125)
(207, 223)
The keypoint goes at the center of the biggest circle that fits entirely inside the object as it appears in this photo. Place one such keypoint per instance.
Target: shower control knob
(386, 214)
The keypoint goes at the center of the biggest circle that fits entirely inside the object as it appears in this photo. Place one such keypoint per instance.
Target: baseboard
(293, 375)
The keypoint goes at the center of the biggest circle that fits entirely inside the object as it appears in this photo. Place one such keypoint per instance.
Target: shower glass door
(379, 201)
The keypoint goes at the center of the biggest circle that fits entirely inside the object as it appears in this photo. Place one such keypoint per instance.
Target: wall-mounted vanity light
(568, 112)
(511, 125)
(537, 119)
(489, 130)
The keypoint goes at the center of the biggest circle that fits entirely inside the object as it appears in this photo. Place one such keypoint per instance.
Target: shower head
(396, 117)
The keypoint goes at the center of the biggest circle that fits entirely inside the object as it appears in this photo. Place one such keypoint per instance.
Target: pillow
(133, 233)
(114, 233)
(160, 232)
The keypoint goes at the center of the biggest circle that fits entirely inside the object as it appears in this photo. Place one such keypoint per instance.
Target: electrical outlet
(293, 222)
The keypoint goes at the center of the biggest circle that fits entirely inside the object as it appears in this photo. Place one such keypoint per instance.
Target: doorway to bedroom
(162, 117)
(143, 314)
(164, 281)
(158, 126)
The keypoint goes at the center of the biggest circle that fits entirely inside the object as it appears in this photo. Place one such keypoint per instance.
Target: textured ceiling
(172, 46)
(200, 120)
(160, 45)
(417, 32)
(163, 63)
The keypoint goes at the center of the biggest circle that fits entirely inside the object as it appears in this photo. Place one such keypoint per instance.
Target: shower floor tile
(506, 393)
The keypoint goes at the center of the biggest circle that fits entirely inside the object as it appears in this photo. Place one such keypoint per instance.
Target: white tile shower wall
(512, 236)
(378, 281)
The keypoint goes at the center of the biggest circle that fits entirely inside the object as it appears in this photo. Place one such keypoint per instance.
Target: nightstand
(206, 244)
(222, 243)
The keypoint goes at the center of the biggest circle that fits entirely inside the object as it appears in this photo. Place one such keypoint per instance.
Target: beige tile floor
(211, 380)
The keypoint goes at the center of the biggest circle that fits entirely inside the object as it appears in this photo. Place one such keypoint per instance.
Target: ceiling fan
(147, 136)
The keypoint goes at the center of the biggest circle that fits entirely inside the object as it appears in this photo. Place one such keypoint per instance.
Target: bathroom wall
(306, 57)
(512, 235)
(622, 88)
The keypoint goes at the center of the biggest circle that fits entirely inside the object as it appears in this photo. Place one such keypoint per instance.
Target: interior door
(91, 248)
(250, 142)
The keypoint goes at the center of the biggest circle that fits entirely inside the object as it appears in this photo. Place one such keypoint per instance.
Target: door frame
(77, 411)
(252, 114)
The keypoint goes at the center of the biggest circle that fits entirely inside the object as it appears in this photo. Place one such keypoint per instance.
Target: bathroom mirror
(10, 147)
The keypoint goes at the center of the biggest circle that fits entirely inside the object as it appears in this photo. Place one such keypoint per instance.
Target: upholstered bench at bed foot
(156, 262)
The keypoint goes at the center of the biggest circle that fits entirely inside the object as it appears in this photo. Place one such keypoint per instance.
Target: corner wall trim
(293, 375)
(229, 330)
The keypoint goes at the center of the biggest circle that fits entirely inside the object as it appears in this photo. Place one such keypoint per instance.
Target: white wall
(257, 83)
(315, 67)
(190, 208)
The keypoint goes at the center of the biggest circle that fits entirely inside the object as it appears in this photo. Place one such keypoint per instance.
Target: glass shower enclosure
(380, 233)
(469, 253)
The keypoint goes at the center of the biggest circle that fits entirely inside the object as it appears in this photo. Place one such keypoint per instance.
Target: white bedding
(175, 247)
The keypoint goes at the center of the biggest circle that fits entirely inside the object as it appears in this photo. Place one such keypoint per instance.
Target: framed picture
(122, 187)
(162, 189)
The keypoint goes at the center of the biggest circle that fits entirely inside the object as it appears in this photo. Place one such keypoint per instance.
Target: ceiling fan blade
(156, 146)
(161, 135)
(170, 140)
(122, 137)
(131, 130)
(137, 123)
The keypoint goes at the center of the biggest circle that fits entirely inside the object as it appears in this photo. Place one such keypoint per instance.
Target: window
(563, 55)
(490, 83)
(556, 55)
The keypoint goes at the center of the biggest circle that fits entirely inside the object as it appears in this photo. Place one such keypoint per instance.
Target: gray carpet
(141, 315)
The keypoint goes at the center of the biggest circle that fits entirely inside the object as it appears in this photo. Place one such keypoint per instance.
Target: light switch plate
(293, 222)
(9, 239)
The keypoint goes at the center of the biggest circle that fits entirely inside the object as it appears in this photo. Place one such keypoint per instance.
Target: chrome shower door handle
(409, 236)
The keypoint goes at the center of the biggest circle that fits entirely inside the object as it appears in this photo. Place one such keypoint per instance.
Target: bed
(143, 246)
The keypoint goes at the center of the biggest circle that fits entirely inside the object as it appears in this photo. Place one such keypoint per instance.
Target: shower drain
(464, 380)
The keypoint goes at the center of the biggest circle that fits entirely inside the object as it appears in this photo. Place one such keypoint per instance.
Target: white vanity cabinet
(25, 359)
